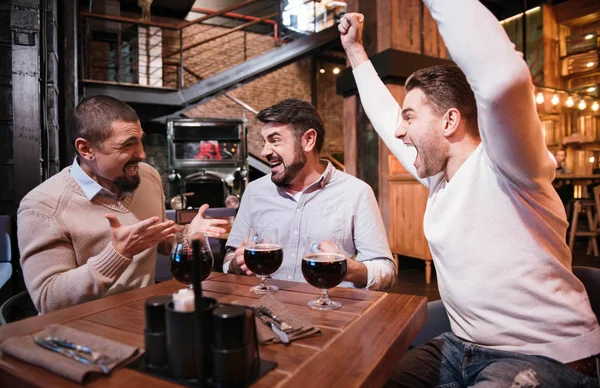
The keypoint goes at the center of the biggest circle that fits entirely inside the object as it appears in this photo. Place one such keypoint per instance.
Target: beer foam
(324, 257)
(263, 247)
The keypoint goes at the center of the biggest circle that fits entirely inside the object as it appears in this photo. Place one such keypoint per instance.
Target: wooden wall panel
(408, 199)
(350, 149)
(550, 32)
(430, 35)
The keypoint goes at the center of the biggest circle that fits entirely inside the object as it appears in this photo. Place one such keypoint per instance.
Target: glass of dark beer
(181, 260)
(324, 266)
(263, 256)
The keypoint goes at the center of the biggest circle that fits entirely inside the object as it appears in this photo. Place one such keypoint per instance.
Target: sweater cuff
(109, 263)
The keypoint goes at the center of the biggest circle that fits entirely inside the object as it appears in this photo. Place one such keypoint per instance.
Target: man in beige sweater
(92, 230)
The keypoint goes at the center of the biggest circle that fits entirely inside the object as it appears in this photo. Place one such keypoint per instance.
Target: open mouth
(131, 169)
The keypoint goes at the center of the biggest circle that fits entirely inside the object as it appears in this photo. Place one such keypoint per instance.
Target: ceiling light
(590, 64)
(539, 98)
(582, 105)
(591, 159)
(570, 102)
(589, 36)
(595, 106)
(555, 100)
(322, 71)
(336, 70)
(591, 90)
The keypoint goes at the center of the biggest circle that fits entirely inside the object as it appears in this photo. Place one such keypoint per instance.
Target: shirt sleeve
(510, 129)
(52, 276)
(384, 112)
(372, 247)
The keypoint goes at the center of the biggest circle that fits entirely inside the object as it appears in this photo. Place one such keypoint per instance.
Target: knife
(67, 353)
(278, 332)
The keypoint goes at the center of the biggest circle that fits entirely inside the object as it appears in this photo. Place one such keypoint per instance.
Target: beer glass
(324, 266)
(263, 256)
(181, 259)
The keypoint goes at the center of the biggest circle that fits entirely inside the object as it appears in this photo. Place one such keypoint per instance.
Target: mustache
(133, 162)
(274, 158)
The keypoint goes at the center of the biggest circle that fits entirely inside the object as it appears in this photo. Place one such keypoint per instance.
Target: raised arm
(509, 126)
(381, 107)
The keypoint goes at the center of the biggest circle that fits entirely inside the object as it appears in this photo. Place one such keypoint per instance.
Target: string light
(595, 106)
(539, 98)
(555, 100)
(582, 105)
(570, 102)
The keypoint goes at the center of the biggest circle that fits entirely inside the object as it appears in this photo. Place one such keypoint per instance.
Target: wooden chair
(590, 208)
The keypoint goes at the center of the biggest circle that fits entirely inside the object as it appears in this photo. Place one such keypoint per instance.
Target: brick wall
(292, 81)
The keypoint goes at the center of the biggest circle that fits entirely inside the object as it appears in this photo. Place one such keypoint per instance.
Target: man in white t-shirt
(494, 223)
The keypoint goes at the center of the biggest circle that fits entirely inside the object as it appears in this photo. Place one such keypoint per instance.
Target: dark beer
(324, 269)
(263, 259)
(181, 266)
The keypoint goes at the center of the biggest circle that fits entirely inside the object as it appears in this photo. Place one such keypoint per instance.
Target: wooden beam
(129, 20)
(577, 12)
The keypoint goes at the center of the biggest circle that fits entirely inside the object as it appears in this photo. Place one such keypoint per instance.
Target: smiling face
(283, 150)
(423, 129)
(116, 159)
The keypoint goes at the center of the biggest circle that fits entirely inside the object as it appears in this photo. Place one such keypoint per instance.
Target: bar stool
(590, 207)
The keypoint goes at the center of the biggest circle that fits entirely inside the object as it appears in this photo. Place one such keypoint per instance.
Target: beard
(284, 178)
(127, 184)
(433, 152)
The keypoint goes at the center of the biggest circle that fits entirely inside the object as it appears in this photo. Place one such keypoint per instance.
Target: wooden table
(360, 345)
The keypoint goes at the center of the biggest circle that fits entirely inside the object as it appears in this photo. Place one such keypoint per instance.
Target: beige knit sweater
(66, 248)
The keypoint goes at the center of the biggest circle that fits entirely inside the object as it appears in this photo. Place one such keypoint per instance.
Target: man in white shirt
(495, 225)
(305, 197)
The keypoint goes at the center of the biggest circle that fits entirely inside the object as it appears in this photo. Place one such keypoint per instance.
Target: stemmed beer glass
(263, 256)
(324, 266)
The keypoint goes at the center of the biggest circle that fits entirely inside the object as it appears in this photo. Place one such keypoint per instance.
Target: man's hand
(356, 273)
(132, 239)
(238, 260)
(201, 225)
(351, 28)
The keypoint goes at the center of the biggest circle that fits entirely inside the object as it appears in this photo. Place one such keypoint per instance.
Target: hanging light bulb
(591, 90)
(590, 64)
(336, 70)
(591, 159)
(570, 102)
(595, 106)
(322, 71)
(589, 36)
(555, 100)
(582, 105)
(539, 98)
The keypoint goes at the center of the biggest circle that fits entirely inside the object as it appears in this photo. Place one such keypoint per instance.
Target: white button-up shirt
(337, 205)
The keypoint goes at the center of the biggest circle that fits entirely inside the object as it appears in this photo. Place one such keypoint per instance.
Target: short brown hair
(299, 114)
(446, 87)
(95, 115)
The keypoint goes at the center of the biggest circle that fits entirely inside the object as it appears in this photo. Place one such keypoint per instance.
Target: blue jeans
(448, 362)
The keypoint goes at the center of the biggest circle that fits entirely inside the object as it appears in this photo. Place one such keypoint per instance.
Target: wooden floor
(411, 274)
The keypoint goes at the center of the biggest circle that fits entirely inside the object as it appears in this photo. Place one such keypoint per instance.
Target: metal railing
(129, 51)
